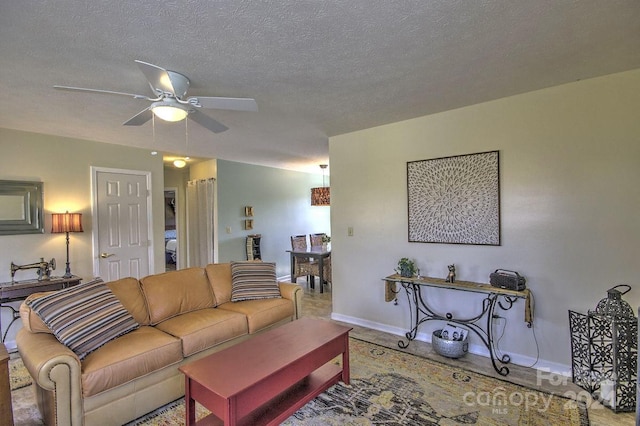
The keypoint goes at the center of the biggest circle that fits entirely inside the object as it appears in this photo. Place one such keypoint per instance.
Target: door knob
(105, 255)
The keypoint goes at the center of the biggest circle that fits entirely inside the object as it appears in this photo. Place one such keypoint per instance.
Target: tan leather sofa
(183, 315)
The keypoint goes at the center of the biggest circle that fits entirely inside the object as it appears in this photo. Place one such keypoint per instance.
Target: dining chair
(300, 267)
(316, 240)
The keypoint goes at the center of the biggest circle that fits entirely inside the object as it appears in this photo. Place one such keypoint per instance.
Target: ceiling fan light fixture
(169, 111)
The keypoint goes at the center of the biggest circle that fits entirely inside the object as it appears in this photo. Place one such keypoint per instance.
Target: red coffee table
(267, 378)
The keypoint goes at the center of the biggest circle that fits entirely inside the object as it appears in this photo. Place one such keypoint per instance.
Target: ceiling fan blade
(235, 104)
(164, 81)
(140, 118)
(207, 122)
(108, 92)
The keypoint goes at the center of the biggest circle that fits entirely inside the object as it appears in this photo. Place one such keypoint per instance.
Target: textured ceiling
(316, 68)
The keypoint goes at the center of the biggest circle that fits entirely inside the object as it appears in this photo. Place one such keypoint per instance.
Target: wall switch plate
(350, 231)
(228, 229)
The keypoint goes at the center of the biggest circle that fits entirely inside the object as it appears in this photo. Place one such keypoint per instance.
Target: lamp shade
(66, 222)
(169, 110)
(169, 113)
(321, 196)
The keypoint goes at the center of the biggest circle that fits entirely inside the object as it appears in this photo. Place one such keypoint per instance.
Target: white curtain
(200, 222)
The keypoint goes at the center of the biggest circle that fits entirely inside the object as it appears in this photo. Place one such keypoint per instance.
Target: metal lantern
(604, 346)
(613, 305)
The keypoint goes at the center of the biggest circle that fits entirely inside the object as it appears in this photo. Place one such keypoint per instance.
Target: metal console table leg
(421, 312)
(14, 314)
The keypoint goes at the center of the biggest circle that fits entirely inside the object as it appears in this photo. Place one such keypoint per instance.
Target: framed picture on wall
(455, 200)
(248, 211)
(248, 224)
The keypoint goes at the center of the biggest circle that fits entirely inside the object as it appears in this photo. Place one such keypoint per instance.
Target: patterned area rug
(18, 375)
(394, 388)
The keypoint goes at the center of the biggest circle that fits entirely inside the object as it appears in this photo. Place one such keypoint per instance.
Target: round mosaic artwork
(455, 200)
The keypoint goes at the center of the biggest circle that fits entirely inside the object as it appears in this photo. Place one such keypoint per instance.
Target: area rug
(18, 375)
(390, 387)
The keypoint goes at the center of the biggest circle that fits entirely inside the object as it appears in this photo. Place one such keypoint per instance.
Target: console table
(20, 290)
(480, 324)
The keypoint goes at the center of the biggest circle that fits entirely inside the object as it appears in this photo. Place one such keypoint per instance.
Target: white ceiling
(316, 68)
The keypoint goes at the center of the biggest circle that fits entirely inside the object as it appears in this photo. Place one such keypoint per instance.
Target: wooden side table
(6, 413)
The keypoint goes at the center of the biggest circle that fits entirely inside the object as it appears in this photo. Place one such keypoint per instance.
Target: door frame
(94, 214)
(178, 223)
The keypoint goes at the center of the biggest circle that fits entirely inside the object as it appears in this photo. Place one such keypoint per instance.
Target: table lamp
(65, 223)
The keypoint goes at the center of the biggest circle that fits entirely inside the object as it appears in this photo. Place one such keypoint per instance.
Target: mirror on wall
(21, 207)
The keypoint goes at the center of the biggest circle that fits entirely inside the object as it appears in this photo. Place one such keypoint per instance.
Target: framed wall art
(21, 207)
(455, 200)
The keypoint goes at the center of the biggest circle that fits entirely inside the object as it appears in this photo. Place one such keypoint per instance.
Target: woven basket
(449, 348)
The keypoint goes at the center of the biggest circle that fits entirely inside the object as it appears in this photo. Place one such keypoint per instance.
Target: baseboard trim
(544, 366)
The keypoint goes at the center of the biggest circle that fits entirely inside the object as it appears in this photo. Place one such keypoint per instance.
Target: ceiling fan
(170, 89)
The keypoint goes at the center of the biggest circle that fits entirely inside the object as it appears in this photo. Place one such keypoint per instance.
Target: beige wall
(204, 170)
(63, 164)
(570, 196)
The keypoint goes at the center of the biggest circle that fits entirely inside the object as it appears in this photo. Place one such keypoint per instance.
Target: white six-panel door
(122, 223)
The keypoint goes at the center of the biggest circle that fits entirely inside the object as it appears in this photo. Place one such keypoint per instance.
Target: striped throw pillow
(253, 280)
(84, 317)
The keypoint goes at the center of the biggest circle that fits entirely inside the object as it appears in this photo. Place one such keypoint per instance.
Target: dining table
(318, 253)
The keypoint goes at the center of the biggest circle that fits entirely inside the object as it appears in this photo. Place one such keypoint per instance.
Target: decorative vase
(406, 271)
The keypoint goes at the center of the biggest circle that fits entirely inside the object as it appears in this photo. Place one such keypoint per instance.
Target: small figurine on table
(451, 278)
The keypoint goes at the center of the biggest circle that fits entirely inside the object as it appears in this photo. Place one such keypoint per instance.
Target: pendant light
(321, 196)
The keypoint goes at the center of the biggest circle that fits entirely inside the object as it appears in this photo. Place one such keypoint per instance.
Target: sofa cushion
(219, 275)
(261, 313)
(84, 317)
(128, 357)
(200, 330)
(128, 291)
(253, 280)
(176, 292)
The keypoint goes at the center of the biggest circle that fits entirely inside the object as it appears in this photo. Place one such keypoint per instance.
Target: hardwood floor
(319, 306)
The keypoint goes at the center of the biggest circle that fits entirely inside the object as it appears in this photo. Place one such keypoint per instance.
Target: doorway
(170, 229)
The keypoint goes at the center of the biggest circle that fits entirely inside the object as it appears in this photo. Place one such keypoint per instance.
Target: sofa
(181, 316)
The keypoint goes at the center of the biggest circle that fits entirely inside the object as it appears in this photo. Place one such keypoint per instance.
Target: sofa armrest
(57, 371)
(293, 292)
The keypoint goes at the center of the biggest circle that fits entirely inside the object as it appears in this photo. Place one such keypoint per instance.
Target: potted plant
(406, 267)
(325, 241)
